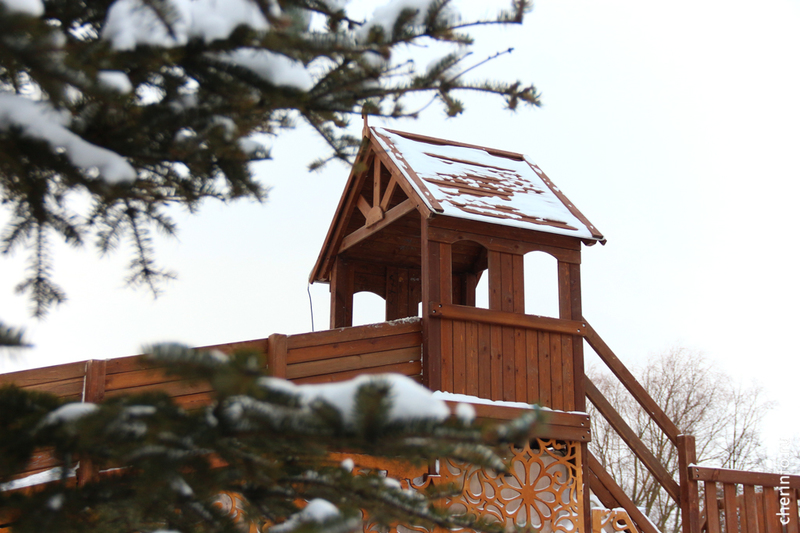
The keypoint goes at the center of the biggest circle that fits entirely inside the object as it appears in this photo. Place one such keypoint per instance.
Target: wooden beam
(641, 521)
(630, 382)
(364, 232)
(726, 475)
(632, 440)
(690, 494)
(502, 318)
(376, 182)
(363, 206)
(387, 196)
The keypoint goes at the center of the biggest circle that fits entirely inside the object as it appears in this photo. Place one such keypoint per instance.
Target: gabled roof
(479, 183)
(447, 178)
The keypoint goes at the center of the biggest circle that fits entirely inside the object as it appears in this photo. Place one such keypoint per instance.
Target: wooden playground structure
(420, 222)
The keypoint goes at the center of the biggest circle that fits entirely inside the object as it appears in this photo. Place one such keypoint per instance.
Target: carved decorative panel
(543, 488)
(612, 521)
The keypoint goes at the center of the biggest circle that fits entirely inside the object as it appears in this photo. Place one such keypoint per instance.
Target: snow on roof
(482, 184)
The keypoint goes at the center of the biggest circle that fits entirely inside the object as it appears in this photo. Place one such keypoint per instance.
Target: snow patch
(38, 120)
(386, 15)
(34, 8)
(131, 23)
(317, 511)
(453, 397)
(68, 413)
(115, 80)
(409, 399)
(54, 474)
(274, 68)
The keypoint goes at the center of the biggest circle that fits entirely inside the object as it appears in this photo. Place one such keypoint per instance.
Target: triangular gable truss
(376, 195)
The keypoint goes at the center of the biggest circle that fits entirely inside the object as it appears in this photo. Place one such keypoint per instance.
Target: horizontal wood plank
(725, 475)
(503, 318)
(48, 374)
(171, 388)
(353, 362)
(136, 378)
(495, 243)
(412, 369)
(331, 336)
(341, 349)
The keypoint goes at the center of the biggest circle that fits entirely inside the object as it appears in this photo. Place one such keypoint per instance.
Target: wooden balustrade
(508, 356)
(748, 502)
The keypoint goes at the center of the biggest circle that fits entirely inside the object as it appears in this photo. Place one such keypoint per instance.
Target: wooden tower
(421, 220)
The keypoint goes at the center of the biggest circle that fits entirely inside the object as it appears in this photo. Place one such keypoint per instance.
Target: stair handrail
(686, 491)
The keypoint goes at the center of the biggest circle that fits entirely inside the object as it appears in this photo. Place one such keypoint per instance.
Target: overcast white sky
(674, 127)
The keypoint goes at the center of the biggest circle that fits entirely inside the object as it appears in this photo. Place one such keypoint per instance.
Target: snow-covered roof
(483, 184)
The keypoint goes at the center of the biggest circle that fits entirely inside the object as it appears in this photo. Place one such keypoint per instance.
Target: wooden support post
(276, 355)
(342, 288)
(690, 496)
(94, 390)
(437, 286)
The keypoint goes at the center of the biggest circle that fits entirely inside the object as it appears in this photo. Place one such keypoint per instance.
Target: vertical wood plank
(506, 282)
(772, 522)
(276, 355)
(520, 366)
(567, 373)
(730, 507)
(508, 361)
(518, 283)
(342, 283)
(445, 273)
(750, 510)
(472, 374)
(564, 293)
(446, 357)
(712, 509)
(495, 280)
(576, 313)
(376, 183)
(690, 496)
(545, 398)
(392, 293)
(496, 350)
(485, 361)
(431, 326)
(532, 363)
(556, 373)
(470, 283)
(792, 526)
(94, 390)
(459, 357)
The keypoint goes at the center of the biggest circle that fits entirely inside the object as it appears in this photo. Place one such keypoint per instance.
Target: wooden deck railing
(306, 358)
(684, 491)
(508, 356)
(748, 502)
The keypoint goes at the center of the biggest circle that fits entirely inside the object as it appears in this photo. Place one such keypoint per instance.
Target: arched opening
(482, 290)
(541, 284)
(470, 280)
(368, 308)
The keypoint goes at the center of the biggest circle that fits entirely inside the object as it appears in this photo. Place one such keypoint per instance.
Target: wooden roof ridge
(445, 142)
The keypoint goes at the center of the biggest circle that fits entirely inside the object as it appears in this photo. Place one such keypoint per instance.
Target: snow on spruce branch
(38, 120)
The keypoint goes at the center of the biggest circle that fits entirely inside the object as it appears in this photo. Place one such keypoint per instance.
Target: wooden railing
(508, 356)
(748, 502)
(307, 358)
(684, 491)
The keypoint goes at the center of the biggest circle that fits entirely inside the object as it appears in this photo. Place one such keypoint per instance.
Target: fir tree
(161, 467)
(133, 105)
